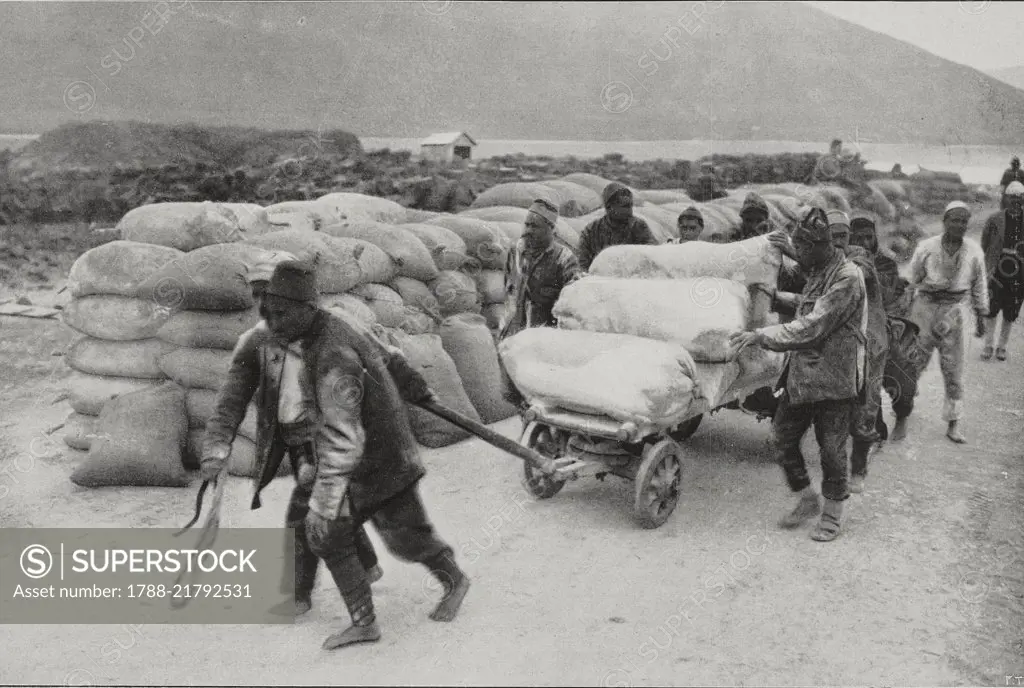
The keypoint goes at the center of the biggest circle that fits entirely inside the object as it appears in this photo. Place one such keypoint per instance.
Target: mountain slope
(604, 71)
(1011, 75)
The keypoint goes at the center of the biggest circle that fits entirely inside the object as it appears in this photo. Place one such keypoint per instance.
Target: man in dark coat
(332, 397)
(1012, 174)
(864, 428)
(617, 226)
(1002, 240)
(899, 378)
(823, 378)
(536, 270)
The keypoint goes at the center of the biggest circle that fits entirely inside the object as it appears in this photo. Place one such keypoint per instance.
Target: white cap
(1015, 189)
(955, 205)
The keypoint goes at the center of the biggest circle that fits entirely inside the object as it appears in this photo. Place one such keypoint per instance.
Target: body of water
(975, 164)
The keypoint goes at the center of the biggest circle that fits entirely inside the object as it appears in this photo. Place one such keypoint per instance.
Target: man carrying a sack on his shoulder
(332, 397)
(823, 380)
(618, 226)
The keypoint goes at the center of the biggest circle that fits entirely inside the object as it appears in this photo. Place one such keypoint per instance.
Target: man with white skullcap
(946, 272)
(536, 271)
(1003, 243)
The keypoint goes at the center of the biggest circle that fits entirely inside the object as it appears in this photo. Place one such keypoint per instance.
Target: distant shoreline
(976, 164)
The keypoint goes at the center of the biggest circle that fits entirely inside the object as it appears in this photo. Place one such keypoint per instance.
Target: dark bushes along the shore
(104, 196)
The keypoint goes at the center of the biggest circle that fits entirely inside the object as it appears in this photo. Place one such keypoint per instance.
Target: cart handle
(535, 458)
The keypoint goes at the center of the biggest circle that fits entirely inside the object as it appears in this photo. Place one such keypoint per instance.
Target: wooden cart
(581, 445)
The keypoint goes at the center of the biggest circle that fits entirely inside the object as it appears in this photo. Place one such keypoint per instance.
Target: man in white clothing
(946, 272)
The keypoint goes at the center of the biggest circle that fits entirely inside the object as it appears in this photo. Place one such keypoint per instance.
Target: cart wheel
(657, 484)
(539, 438)
(686, 428)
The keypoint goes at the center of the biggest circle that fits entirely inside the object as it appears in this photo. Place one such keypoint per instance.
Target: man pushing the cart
(332, 397)
(823, 380)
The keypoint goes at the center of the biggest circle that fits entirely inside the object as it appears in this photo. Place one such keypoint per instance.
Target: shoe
(899, 430)
(857, 484)
(986, 353)
(1001, 354)
(954, 434)
(828, 526)
(806, 509)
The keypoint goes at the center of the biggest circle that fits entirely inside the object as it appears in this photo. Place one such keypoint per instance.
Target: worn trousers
(831, 420)
(900, 382)
(863, 428)
(401, 522)
(307, 563)
(942, 328)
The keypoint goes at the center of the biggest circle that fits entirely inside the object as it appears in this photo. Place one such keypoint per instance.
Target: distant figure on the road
(897, 172)
(617, 226)
(946, 271)
(1012, 174)
(690, 224)
(823, 379)
(1002, 240)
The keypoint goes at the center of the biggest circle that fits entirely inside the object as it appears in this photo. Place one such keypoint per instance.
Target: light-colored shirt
(935, 271)
(291, 373)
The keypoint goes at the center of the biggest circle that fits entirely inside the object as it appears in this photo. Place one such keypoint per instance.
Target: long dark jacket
(345, 365)
(826, 342)
(601, 233)
(533, 286)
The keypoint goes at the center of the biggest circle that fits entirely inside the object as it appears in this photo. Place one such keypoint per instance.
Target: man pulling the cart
(332, 397)
(823, 380)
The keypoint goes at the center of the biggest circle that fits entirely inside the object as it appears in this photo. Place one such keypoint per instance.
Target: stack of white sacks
(160, 310)
(644, 337)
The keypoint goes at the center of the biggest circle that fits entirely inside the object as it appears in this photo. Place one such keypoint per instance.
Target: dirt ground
(924, 587)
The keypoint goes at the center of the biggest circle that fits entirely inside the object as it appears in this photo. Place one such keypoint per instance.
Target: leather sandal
(828, 526)
(826, 530)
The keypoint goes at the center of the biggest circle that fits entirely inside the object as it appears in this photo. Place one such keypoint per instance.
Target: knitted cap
(691, 212)
(814, 226)
(294, 280)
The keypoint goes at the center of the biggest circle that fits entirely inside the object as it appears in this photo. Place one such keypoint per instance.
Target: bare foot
(954, 434)
(375, 574)
(292, 607)
(449, 607)
(353, 635)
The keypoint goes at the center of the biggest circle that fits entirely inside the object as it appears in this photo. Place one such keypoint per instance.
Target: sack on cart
(621, 376)
(751, 261)
(697, 313)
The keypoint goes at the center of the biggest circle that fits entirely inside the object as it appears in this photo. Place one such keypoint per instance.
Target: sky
(982, 34)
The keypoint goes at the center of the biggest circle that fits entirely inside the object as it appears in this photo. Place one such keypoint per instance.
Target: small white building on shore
(448, 147)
